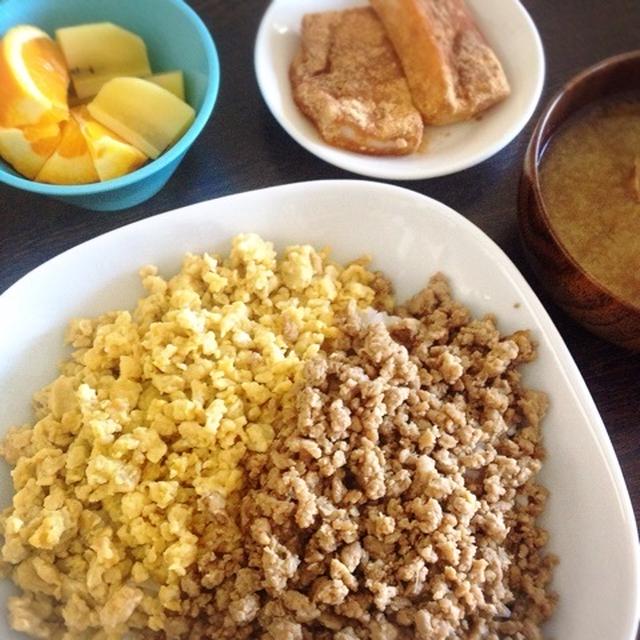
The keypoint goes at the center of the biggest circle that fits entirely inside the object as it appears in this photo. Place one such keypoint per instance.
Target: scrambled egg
(152, 414)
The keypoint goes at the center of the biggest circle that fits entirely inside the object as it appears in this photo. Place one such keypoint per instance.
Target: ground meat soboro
(398, 499)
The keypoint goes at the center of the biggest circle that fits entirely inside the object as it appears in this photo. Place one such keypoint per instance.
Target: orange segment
(33, 79)
(26, 150)
(112, 156)
(71, 162)
(42, 137)
(44, 60)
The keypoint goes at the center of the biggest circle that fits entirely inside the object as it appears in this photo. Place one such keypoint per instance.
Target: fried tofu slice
(348, 81)
(452, 71)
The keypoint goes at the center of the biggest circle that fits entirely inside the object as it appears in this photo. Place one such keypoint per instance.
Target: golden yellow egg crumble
(152, 415)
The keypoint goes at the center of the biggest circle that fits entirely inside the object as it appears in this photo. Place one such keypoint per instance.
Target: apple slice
(71, 162)
(112, 156)
(142, 113)
(27, 149)
(172, 81)
(96, 53)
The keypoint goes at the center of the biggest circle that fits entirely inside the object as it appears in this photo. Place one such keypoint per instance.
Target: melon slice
(96, 53)
(142, 113)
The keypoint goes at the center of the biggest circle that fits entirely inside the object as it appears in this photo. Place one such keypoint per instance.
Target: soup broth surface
(590, 177)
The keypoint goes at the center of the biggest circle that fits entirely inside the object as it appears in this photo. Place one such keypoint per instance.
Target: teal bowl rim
(170, 156)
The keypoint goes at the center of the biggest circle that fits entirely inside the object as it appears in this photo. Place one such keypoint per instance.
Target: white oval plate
(410, 236)
(509, 30)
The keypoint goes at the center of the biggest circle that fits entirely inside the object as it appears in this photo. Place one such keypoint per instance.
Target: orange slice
(71, 162)
(26, 150)
(33, 79)
(112, 156)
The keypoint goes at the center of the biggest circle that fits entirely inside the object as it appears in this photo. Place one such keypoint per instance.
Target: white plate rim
(566, 364)
(344, 159)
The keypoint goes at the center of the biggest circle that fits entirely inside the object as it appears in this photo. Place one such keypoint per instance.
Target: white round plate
(508, 28)
(409, 236)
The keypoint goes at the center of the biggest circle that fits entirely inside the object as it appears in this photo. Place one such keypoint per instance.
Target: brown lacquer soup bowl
(598, 307)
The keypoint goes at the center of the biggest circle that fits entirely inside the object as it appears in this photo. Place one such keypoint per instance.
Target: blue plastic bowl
(176, 38)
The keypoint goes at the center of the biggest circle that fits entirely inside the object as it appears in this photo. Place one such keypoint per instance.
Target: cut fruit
(26, 150)
(142, 113)
(112, 156)
(96, 53)
(172, 81)
(33, 79)
(71, 162)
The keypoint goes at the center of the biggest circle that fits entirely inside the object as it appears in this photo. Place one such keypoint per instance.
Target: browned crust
(452, 71)
(347, 79)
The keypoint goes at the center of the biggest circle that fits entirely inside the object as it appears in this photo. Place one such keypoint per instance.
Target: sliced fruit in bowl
(177, 42)
(116, 121)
